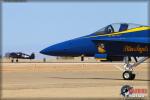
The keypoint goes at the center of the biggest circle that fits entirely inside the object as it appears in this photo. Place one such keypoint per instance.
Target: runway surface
(68, 80)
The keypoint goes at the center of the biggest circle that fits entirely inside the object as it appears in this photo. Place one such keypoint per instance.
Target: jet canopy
(116, 27)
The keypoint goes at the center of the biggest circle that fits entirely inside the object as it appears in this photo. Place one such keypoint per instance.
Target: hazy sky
(30, 27)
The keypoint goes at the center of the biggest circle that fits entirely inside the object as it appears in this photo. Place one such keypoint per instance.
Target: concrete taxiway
(68, 80)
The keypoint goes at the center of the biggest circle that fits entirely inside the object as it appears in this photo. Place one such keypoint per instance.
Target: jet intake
(101, 56)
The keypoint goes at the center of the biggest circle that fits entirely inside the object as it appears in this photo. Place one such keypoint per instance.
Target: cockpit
(116, 27)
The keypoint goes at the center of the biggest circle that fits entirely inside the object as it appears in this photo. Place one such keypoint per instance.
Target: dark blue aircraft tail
(32, 56)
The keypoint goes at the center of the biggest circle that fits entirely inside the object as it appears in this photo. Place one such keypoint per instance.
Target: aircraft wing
(125, 46)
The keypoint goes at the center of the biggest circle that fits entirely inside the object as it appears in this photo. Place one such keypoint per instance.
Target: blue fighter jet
(115, 41)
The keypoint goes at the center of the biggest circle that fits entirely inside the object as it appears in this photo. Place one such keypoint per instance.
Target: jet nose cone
(53, 50)
(44, 51)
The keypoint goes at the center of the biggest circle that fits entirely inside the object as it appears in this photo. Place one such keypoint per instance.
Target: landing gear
(13, 60)
(16, 60)
(128, 73)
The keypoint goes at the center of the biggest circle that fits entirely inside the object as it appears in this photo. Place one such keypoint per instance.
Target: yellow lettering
(138, 48)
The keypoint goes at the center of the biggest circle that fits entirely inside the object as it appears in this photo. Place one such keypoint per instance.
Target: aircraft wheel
(128, 75)
(17, 60)
(133, 76)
